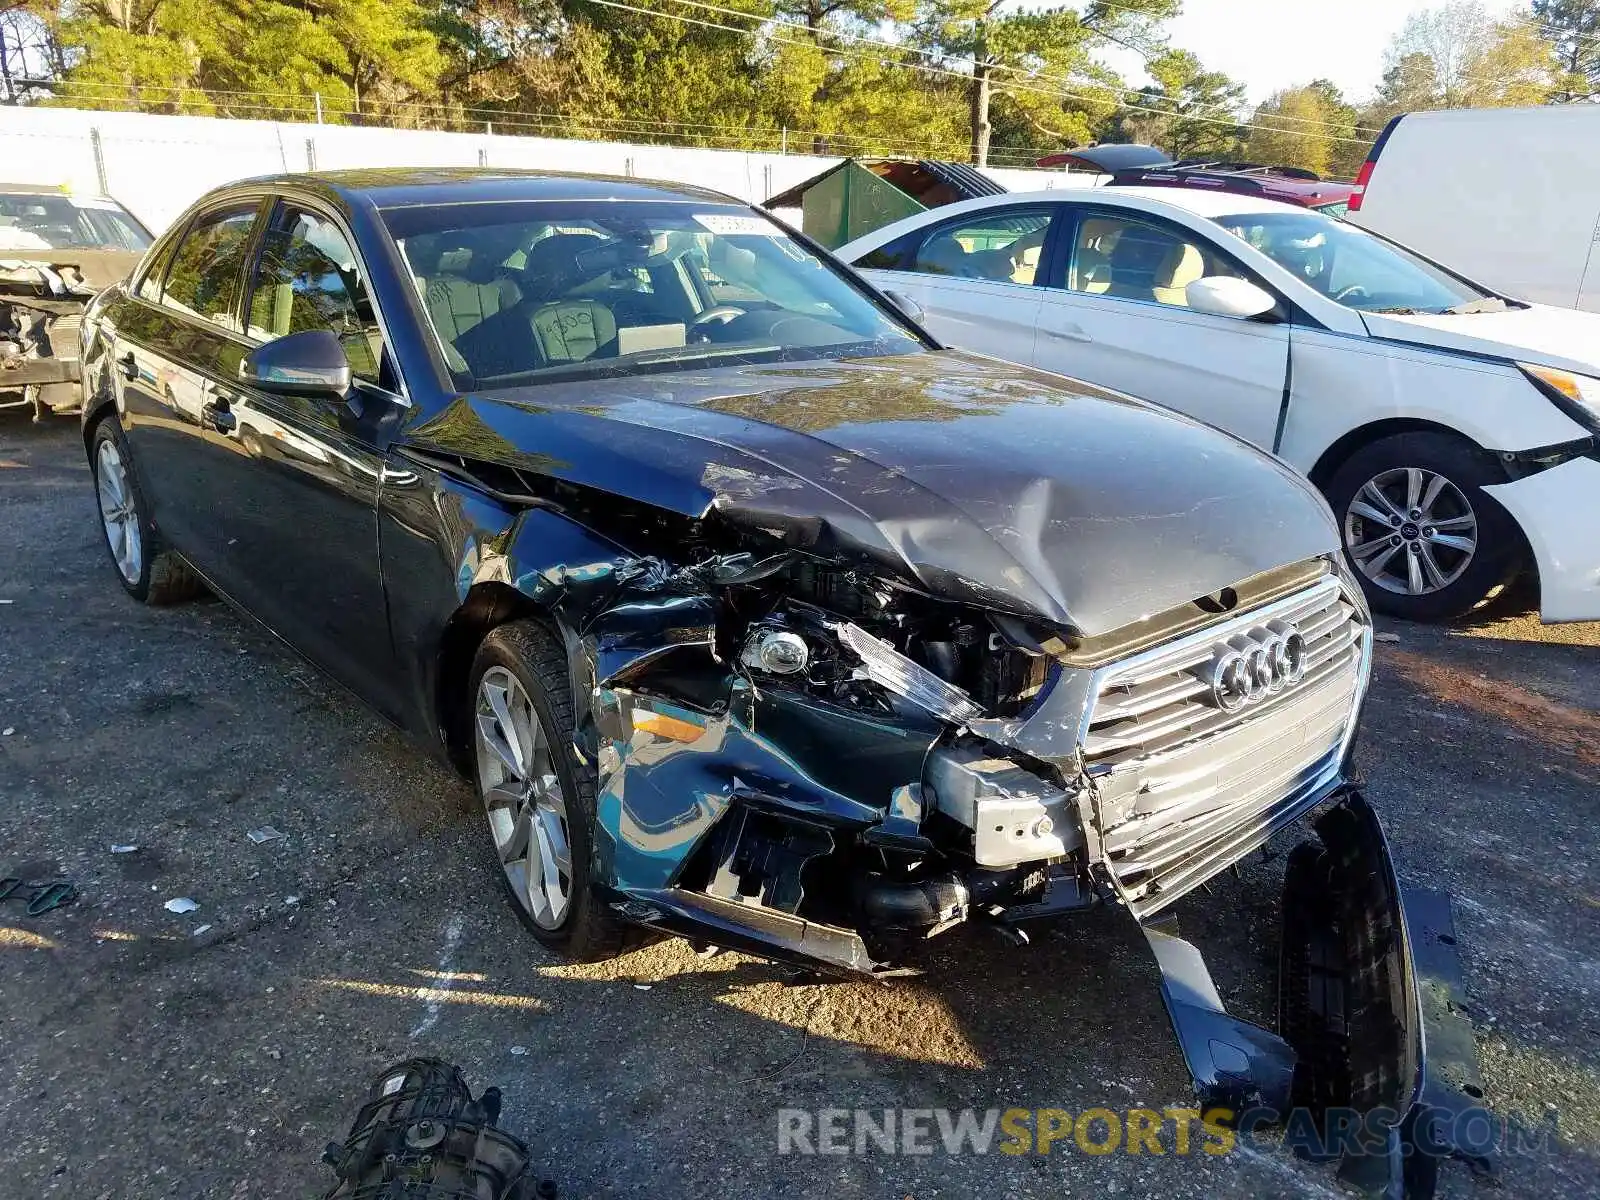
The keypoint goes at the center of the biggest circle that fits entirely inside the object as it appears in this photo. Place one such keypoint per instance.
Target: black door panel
(296, 477)
(162, 394)
(301, 519)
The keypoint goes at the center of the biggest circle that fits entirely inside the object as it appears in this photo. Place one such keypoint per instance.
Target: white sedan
(1455, 431)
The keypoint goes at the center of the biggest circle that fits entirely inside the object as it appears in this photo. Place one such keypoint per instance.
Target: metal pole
(99, 160)
(785, 148)
(319, 108)
(488, 127)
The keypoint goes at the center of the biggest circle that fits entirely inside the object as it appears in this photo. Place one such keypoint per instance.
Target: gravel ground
(147, 1054)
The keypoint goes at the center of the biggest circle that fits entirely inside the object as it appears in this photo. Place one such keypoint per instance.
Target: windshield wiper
(1398, 310)
(1485, 305)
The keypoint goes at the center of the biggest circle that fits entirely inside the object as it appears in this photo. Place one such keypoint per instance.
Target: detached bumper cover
(1354, 1020)
(1556, 510)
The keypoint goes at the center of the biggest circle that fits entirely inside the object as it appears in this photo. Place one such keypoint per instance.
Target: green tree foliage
(1297, 127)
(1454, 56)
(1038, 64)
(370, 59)
(946, 78)
(1573, 28)
(1188, 111)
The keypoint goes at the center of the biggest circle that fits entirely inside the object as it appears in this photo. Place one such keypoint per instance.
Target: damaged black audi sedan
(754, 615)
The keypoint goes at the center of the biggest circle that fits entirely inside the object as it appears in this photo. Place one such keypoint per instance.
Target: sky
(1273, 44)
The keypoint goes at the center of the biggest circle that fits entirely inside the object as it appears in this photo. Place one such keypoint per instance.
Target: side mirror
(310, 363)
(1228, 296)
(908, 306)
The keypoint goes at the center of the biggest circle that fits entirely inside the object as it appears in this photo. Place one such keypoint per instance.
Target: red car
(1290, 185)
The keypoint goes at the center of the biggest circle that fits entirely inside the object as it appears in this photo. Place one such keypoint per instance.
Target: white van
(1507, 196)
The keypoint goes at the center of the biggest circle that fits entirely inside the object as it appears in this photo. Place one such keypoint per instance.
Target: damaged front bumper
(1555, 509)
(1368, 981)
(787, 783)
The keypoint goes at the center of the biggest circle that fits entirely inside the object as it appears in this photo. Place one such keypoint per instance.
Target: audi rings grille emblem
(1248, 668)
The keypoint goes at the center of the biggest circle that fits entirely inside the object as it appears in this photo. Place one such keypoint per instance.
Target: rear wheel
(1426, 541)
(147, 570)
(539, 799)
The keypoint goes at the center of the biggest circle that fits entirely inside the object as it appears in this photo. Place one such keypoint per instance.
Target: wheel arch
(485, 608)
(1340, 451)
(96, 408)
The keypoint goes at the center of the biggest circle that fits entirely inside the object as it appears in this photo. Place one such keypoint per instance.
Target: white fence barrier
(157, 165)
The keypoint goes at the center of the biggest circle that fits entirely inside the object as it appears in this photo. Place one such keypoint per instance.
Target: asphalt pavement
(212, 1054)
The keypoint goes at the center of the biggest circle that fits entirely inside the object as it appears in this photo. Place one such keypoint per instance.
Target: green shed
(859, 195)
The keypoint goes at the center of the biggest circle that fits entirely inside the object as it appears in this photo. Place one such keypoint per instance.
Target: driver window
(1000, 245)
(1139, 260)
(307, 278)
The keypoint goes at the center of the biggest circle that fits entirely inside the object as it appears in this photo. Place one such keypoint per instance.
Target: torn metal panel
(665, 785)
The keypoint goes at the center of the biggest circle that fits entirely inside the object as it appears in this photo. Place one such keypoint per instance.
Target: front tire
(146, 568)
(538, 798)
(1423, 537)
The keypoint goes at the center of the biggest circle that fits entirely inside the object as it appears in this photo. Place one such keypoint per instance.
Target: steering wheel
(719, 314)
(1354, 292)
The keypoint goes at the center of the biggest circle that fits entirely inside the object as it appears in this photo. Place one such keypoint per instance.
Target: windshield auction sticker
(735, 224)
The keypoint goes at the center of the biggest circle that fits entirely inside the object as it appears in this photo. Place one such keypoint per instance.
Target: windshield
(1354, 267)
(52, 221)
(533, 291)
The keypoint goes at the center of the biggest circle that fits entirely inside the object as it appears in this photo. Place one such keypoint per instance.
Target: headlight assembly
(1576, 395)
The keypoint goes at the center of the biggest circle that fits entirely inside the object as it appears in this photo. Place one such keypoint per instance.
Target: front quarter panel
(1556, 509)
(1342, 383)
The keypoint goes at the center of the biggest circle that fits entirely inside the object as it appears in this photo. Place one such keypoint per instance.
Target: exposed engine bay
(821, 763)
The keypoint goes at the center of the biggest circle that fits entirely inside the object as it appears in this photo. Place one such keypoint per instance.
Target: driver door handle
(1066, 332)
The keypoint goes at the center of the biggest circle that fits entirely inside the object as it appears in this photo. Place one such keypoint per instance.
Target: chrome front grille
(1185, 787)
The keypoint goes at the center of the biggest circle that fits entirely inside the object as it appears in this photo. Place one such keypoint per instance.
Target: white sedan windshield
(1355, 268)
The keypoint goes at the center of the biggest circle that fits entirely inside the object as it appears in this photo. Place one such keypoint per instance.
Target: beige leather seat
(1183, 265)
(572, 330)
(461, 288)
(1148, 264)
(944, 255)
(1025, 264)
(1091, 268)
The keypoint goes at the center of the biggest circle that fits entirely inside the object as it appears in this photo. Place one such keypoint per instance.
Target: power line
(1551, 32)
(903, 48)
(1051, 92)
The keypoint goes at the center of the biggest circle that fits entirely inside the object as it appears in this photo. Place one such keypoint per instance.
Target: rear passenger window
(307, 278)
(204, 276)
(1002, 246)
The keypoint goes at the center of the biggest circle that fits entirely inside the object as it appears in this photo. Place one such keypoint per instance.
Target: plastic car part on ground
(423, 1135)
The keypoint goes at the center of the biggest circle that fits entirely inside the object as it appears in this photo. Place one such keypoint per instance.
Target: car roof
(47, 189)
(1262, 183)
(1200, 203)
(399, 187)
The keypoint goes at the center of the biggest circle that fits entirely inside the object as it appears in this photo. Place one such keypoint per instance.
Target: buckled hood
(977, 480)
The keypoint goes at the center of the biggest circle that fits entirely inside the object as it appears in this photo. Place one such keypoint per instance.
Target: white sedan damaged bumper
(1557, 512)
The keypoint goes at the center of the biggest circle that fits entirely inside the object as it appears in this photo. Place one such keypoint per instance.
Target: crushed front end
(41, 314)
(826, 767)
